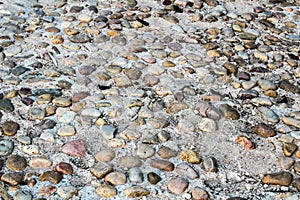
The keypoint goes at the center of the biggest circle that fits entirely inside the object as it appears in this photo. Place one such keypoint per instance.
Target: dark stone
(19, 70)
(287, 86)
(153, 178)
(6, 105)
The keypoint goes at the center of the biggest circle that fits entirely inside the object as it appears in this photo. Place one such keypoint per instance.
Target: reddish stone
(64, 168)
(74, 148)
(47, 190)
(79, 96)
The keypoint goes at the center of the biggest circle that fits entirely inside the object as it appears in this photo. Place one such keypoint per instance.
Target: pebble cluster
(171, 99)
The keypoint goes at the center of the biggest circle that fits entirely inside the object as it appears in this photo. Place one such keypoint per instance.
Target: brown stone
(51, 176)
(64, 168)
(177, 185)
(289, 149)
(199, 194)
(47, 190)
(166, 152)
(162, 165)
(13, 178)
(16, 162)
(115, 178)
(10, 128)
(264, 130)
(279, 178)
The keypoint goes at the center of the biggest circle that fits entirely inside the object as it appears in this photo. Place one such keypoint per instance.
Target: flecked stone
(186, 170)
(66, 192)
(13, 178)
(22, 195)
(228, 112)
(199, 193)
(106, 191)
(74, 148)
(16, 163)
(136, 192)
(209, 164)
(52, 176)
(278, 178)
(190, 156)
(31, 149)
(135, 175)
(207, 125)
(115, 178)
(106, 155)
(289, 149)
(144, 151)
(177, 185)
(66, 131)
(10, 128)
(153, 178)
(6, 147)
(64, 168)
(130, 161)
(6, 105)
(100, 170)
(40, 162)
(162, 165)
(264, 130)
(166, 152)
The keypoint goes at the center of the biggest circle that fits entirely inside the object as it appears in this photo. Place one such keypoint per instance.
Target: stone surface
(186, 170)
(153, 178)
(64, 168)
(66, 192)
(51, 176)
(264, 130)
(100, 170)
(10, 128)
(279, 178)
(136, 192)
(74, 148)
(115, 178)
(190, 156)
(177, 185)
(16, 163)
(199, 194)
(106, 191)
(162, 165)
